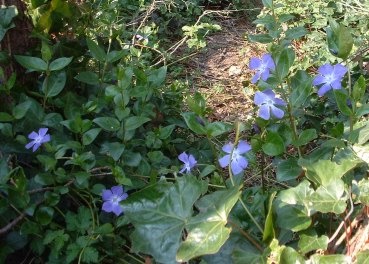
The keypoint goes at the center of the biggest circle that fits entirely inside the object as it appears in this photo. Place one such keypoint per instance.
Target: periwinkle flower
(267, 103)
(188, 160)
(38, 139)
(234, 156)
(262, 66)
(330, 76)
(112, 199)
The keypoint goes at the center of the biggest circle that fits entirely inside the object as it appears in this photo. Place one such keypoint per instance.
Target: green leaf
(207, 231)
(269, 232)
(342, 100)
(295, 33)
(261, 38)
(339, 39)
(31, 63)
(301, 84)
(90, 255)
(88, 77)
(309, 243)
(90, 135)
(193, 123)
(292, 207)
(217, 128)
(46, 51)
(323, 172)
(363, 257)
(288, 170)
(290, 256)
(207, 170)
(283, 59)
(197, 104)
(167, 207)
(165, 132)
(54, 84)
(114, 55)
(20, 110)
(358, 90)
(157, 77)
(47, 162)
(268, 3)
(134, 122)
(96, 51)
(329, 198)
(44, 215)
(59, 63)
(113, 149)
(329, 259)
(107, 123)
(364, 191)
(305, 137)
(273, 145)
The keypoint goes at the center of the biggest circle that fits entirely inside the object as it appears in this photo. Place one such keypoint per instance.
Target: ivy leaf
(364, 191)
(207, 231)
(330, 198)
(292, 208)
(288, 170)
(329, 259)
(166, 207)
(309, 243)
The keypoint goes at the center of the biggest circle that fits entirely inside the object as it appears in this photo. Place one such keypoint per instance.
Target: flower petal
(227, 148)
(36, 146)
(260, 98)
(278, 113)
(123, 197)
(336, 84)
(192, 161)
(242, 162)
(339, 70)
(224, 161)
(264, 112)
(279, 101)
(42, 131)
(268, 61)
(256, 77)
(255, 63)
(183, 157)
(117, 190)
(269, 93)
(325, 88)
(107, 195)
(325, 69)
(107, 206)
(30, 144)
(117, 209)
(243, 147)
(45, 139)
(265, 75)
(33, 135)
(236, 168)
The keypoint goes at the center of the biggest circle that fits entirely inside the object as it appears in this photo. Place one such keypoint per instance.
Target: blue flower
(188, 160)
(330, 76)
(233, 156)
(38, 139)
(112, 199)
(267, 102)
(262, 66)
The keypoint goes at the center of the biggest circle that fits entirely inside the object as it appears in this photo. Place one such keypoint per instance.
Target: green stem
(250, 215)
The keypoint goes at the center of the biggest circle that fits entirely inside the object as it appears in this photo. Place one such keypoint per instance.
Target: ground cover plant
(107, 157)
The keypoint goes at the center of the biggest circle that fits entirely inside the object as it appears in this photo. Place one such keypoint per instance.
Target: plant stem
(250, 215)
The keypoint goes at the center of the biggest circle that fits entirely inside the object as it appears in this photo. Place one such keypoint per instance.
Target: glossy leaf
(339, 39)
(295, 33)
(261, 38)
(54, 84)
(217, 128)
(134, 122)
(90, 135)
(309, 243)
(273, 145)
(59, 63)
(301, 84)
(88, 77)
(107, 123)
(342, 100)
(31, 63)
(288, 170)
(305, 137)
(193, 123)
(358, 90)
(207, 231)
(167, 207)
(330, 198)
(96, 51)
(290, 256)
(113, 149)
(284, 59)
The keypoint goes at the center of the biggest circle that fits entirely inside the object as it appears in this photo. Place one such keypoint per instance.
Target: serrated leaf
(90, 255)
(207, 231)
(309, 243)
(107, 123)
(59, 63)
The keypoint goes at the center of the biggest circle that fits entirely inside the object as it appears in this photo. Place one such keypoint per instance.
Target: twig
(248, 237)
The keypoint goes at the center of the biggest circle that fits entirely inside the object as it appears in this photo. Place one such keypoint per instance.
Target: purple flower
(330, 76)
(262, 66)
(112, 198)
(233, 157)
(188, 160)
(267, 102)
(38, 139)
